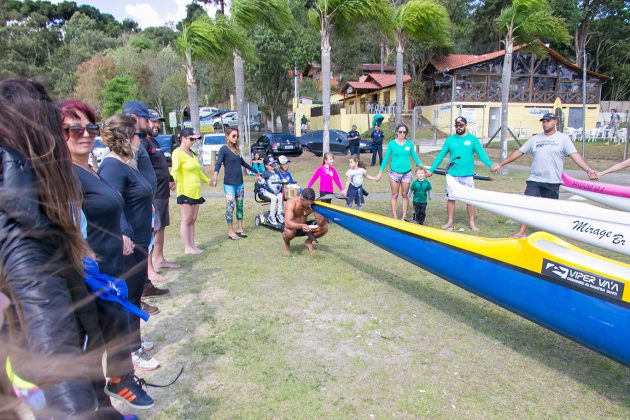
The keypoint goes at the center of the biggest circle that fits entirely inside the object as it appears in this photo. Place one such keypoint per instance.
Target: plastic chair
(622, 135)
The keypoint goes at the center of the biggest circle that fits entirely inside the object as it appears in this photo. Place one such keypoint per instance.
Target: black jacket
(44, 287)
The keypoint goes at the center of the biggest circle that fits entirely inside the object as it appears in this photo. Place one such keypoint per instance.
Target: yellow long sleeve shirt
(186, 171)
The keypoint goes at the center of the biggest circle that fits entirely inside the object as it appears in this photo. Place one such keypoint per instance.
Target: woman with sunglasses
(103, 207)
(187, 174)
(119, 169)
(231, 159)
(399, 150)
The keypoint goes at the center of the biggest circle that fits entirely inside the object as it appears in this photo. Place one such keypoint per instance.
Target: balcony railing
(494, 95)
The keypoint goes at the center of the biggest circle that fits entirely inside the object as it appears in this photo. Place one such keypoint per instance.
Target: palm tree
(524, 22)
(273, 14)
(209, 40)
(424, 21)
(329, 14)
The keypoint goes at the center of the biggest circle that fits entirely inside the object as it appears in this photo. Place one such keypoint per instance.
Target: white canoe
(611, 195)
(608, 229)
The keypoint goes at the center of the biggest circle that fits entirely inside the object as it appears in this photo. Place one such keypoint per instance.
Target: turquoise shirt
(420, 190)
(462, 150)
(400, 156)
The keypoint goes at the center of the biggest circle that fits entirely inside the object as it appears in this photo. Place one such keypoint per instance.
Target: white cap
(283, 159)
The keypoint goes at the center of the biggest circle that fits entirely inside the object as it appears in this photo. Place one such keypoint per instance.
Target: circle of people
(72, 230)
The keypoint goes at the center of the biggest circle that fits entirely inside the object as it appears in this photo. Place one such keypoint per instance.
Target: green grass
(353, 331)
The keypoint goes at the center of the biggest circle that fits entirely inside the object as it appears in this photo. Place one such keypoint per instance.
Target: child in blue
(283, 170)
(421, 190)
(272, 189)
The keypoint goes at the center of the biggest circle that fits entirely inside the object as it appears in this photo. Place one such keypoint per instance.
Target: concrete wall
(523, 118)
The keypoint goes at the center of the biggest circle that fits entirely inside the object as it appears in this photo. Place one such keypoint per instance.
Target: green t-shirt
(420, 190)
(400, 156)
(462, 150)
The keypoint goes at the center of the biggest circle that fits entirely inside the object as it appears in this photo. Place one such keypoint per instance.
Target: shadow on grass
(603, 375)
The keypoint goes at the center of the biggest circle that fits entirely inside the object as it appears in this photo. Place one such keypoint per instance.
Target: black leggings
(135, 273)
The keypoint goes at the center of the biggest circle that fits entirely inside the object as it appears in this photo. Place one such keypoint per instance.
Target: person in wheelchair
(271, 188)
(283, 170)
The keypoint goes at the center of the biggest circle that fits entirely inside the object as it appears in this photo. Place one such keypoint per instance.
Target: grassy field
(354, 332)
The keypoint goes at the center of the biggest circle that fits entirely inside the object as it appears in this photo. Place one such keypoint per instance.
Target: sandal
(241, 234)
(233, 238)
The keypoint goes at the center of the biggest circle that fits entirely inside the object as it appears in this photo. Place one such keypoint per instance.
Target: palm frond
(532, 20)
(425, 21)
(274, 14)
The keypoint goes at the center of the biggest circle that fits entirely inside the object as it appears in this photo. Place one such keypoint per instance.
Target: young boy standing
(420, 188)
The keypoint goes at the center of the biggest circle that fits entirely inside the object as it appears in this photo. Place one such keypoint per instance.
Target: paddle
(441, 171)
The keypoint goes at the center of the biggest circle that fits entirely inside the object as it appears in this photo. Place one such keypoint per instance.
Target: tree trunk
(382, 56)
(239, 84)
(400, 49)
(505, 97)
(191, 85)
(325, 47)
(284, 120)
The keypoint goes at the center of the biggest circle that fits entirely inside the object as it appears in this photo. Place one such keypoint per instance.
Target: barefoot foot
(154, 276)
(309, 245)
(474, 228)
(193, 251)
(166, 264)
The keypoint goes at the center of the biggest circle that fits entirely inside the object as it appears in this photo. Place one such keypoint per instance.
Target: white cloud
(144, 14)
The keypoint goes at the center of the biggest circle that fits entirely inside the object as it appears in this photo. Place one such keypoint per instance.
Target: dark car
(166, 145)
(338, 141)
(277, 144)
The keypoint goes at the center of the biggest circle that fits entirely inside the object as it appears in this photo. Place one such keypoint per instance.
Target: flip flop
(241, 234)
(233, 238)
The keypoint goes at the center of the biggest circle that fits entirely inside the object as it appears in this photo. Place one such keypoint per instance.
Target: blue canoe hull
(598, 324)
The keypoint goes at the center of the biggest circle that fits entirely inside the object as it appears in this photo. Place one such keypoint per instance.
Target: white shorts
(467, 181)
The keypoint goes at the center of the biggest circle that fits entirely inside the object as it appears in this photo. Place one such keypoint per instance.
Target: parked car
(218, 121)
(166, 145)
(212, 142)
(204, 111)
(99, 150)
(277, 144)
(232, 121)
(338, 141)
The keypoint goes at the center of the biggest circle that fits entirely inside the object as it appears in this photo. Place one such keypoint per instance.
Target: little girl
(257, 164)
(354, 185)
(326, 174)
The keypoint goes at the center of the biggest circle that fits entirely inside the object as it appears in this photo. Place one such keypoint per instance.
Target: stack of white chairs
(622, 135)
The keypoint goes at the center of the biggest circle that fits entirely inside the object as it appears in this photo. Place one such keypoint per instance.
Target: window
(386, 98)
(519, 83)
(471, 81)
(544, 84)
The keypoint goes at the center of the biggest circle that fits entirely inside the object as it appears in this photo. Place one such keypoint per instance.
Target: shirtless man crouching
(296, 210)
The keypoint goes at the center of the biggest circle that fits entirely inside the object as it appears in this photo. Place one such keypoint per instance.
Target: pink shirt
(326, 175)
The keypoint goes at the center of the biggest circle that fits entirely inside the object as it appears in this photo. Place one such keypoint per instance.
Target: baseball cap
(155, 116)
(269, 160)
(188, 132)
(283, 159)
(136, 108)
(461, 119)
(549, 116)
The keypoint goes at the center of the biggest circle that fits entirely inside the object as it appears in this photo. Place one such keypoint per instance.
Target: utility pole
(296, 82)
(583, 102)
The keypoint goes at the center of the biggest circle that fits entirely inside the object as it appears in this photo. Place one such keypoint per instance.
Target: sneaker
(150, 309)
(272, 219)
(280, 218)
(147, 345)
(143, 361)
(151, 290)
(129, 391)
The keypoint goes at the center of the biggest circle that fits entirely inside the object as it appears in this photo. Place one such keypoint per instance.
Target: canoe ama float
(605, 228)
(575, 293)
(615, 196)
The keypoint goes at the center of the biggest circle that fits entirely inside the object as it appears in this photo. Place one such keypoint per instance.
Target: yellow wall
(367, 97)
(345, 121)
(523, 118)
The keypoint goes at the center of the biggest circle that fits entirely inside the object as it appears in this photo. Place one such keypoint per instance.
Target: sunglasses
(401, 132)
(76, 131)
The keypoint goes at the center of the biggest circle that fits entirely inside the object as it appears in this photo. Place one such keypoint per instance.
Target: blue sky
(145, 12)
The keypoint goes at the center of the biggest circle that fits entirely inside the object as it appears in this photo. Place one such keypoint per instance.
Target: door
(336, 143)
(575, 118)
(494, 120)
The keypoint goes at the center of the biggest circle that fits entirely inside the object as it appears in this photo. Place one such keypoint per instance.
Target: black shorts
(300, 232)
(182, 199)
(542, 189)
(162, 217)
